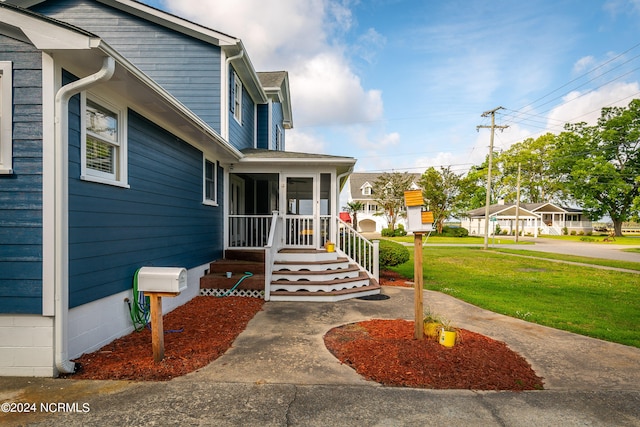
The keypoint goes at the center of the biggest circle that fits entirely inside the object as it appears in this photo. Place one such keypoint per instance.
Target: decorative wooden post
(157, 328)
(418, 222)
(418, 285)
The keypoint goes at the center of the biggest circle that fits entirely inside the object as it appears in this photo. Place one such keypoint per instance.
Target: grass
(629, 265)
(471, 240)
(624, 240)
(589, 301)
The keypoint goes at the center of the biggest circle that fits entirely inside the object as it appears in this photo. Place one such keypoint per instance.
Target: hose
(141, 308)
(227, 293)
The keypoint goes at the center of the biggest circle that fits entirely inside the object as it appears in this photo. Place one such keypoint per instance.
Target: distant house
(130, 137)
(534, 219)
(360, 189)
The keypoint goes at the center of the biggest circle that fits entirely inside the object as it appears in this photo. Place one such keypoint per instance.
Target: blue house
(130, 137)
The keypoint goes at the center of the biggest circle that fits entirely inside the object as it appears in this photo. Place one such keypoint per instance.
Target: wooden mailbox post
(418, 222)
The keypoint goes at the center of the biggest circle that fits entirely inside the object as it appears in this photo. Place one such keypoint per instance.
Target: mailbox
(162, 279)
(418, 221)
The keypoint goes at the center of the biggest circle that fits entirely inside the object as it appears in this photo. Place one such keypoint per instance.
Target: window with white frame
(103, 142)
(6, 117)
(236, 101)
(210, 182)
(366, 190)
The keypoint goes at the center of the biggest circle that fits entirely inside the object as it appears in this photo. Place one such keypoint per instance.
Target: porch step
(305, 255)
(328, 285)
(332, 296)
(256, 255)
(236, 266)
(216, 283)
(330, 264)
(350, 271)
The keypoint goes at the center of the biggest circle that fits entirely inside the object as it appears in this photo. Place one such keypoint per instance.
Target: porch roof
(260, 155)
(502, 211)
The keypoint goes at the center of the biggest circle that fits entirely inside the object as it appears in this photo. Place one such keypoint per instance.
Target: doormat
(376, 297)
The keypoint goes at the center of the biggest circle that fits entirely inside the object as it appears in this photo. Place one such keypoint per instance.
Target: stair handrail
(274, 244)
(357, 248)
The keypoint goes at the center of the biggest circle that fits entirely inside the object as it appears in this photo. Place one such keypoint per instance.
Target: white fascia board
(173, 22)
(46, 35)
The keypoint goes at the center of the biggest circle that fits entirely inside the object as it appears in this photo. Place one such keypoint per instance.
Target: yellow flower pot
(447, 338)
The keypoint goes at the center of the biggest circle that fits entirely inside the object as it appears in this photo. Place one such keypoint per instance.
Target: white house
(534, 219)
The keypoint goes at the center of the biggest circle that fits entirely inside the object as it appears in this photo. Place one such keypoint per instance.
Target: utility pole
(518, 206)
(493, 127)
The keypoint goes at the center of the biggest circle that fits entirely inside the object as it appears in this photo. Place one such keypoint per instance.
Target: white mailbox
(162, 279)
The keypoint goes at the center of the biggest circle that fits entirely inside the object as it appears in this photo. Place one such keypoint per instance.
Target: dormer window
(366, 189)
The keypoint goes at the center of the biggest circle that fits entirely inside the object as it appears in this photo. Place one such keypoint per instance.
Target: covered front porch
(286, 205)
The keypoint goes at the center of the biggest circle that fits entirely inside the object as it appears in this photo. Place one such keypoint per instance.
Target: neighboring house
(371, 218)
(534, 219)
(130, 137)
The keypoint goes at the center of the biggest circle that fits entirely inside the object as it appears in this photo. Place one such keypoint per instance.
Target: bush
(392, 253)
(398, 232)
(454, 231)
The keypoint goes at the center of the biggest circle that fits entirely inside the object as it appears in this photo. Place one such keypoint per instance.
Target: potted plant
(448, 334)
(432, 324)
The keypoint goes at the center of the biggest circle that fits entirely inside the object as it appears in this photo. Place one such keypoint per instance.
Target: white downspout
(61, 209)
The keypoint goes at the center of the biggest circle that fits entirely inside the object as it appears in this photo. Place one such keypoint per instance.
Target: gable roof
(232, 46)
(358, 180)
(276, 86)
(83, 53)
(505, 209)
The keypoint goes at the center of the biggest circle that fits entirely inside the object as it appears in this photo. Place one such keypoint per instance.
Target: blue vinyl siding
(241, 135)
(186, 67)
(21, 192)
(263, 126)
(278, 117)
(159, 221)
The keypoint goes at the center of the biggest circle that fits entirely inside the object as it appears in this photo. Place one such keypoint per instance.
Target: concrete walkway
(279, 373)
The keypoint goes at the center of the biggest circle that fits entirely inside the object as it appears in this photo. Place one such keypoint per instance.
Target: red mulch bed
(208, 326)
(385, 351)
(380, 350)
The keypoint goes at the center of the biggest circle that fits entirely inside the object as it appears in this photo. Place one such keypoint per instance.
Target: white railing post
(274, 244)
(376, 260)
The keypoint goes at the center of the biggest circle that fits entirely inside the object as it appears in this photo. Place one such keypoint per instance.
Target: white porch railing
(358, 248)
(274, 244)
(249, 231)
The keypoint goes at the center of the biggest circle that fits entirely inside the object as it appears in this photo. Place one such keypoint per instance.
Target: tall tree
(537, 184)
(388, 190)
(440, 190)
(600, 165)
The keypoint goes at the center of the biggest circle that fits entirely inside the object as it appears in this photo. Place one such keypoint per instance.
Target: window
(6, 118)
(236, 98)
(366, 190)
(103, 143)
(210, 182)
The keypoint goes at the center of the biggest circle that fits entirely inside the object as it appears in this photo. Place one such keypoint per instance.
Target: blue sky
(402, 84)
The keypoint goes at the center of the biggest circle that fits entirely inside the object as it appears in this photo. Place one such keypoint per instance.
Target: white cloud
(586, 106)
(304, 38)
(304, 142)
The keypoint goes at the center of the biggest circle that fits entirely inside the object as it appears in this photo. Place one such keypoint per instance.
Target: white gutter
(61, 209)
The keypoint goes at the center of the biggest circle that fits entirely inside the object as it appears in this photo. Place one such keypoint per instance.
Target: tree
(388, 190)
(599, 166)
(440, 191)
(353, 208)
(537, 185)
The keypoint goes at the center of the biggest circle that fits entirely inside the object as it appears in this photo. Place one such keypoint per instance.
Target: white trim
(214, 200)
(237, 98)
(6, 117)
(50, 81)
(120, 177)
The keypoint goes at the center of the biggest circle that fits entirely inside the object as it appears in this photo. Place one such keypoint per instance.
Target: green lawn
(593, 302)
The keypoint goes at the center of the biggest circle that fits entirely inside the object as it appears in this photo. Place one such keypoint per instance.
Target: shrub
(454, 231)
(397, 232)
(392, 253)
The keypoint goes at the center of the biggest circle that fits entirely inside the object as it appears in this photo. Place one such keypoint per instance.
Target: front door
(301, 211)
